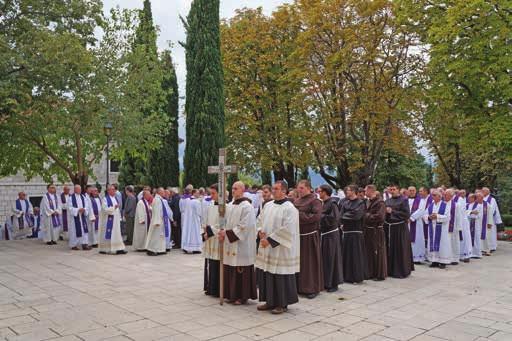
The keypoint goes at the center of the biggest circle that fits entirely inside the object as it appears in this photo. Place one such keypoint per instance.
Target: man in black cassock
(354, 253)
(330, 240)
(398, 239)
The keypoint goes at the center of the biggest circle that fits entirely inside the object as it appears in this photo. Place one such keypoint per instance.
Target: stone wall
(36, 187)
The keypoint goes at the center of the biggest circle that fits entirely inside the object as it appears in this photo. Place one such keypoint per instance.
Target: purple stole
(484, 221)
(64, 213)
(425, 226)
(110, 219)
(148, 214)
(435, 238)
(166, 218)
(453, 207)
(21, 220)
(55, 218)
(80, 221)
(96, 212)
(414, 208)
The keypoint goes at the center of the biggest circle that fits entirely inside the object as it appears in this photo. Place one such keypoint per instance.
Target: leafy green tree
(404, 170)
(151, 96)
(463, 105)
(163, 163)
(60, 83)
(204, 108)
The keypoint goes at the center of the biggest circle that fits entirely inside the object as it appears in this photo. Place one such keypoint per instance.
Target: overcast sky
(166, 14)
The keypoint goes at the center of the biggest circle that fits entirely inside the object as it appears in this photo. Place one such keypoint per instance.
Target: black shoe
(94, 246)
(121, 252)
(334, 289)
(49, 243)
(151, 253)
(196, 252)
(61, 238)
(454, 263)
(167, 250)
(103, 252)
(466, 260)
(311, 296)
(378, 279)
(433, 265)
(54, 242)
(493, 251)
(442, 266)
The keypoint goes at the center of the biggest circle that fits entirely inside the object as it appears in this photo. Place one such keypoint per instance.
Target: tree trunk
(80, 179)
(266, 177)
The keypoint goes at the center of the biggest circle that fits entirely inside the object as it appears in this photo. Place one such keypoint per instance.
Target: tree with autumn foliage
(266, 123)
(355, 61)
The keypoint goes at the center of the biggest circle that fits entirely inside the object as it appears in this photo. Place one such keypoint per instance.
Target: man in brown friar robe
(310, 280)
(330, 237)
(375, 239)
(354, 252)
(398, 239)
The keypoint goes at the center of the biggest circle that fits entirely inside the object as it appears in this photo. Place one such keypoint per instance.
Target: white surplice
(418, 246)
(74, 238)
(115, 242)
(93, 219)
(444, 254)
(280, 221)
(156, 241)
(49, 231)
(496, 217)
(191, 226)
(23, 215)
(142, 223)
(241, 221)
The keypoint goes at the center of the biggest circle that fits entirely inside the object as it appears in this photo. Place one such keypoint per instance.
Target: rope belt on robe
(331, 231)
(307, 234)
(389, 230)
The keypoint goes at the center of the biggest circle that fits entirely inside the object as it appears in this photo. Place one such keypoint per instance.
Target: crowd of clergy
(278, 243)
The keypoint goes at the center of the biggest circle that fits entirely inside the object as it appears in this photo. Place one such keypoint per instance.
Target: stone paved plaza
(53, 293)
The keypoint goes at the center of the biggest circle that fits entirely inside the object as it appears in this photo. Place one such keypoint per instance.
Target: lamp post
(107, 130)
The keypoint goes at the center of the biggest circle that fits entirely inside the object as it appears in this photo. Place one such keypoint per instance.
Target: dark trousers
(130, 223)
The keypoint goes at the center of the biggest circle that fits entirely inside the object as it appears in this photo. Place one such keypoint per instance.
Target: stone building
(36, 187)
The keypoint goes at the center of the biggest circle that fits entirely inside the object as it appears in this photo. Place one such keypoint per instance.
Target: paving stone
(401, 332)
(134, 297)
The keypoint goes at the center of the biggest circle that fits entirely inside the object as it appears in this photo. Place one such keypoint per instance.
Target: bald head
(77, 189)
(238, 189)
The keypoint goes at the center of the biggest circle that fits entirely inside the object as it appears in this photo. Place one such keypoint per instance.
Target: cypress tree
(133, 168)
(204, 106)
(163, 164)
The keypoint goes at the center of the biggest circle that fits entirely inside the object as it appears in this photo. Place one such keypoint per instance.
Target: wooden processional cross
(222, 170)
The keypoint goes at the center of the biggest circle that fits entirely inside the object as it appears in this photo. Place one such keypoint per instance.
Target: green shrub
(507, 219)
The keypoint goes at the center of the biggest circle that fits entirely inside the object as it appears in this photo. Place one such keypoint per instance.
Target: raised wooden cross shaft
(222, 170)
